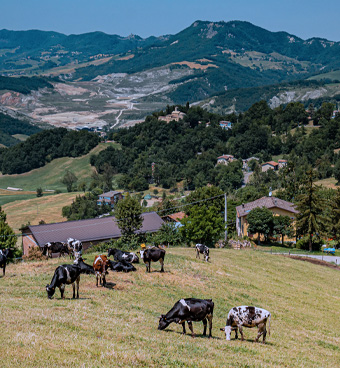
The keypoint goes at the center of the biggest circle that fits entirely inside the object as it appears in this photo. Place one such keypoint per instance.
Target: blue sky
(302, 18)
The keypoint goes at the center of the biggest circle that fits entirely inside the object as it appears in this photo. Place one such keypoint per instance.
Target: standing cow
(100, 265)
(189, 310)
(64, 275)
(247, 317)
(153, 254)
(73, 246)
(55, 247)
(203, 249)
(4, 255)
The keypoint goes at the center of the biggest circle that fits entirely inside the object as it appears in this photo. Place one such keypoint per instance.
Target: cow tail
(269, 324)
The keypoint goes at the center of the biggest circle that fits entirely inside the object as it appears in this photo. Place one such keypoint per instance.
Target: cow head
(50, 291)
(141, 252)
(227, 331)
(163, 322)
(111, 252)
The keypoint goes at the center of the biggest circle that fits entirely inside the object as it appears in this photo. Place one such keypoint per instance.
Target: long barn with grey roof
(89, 232)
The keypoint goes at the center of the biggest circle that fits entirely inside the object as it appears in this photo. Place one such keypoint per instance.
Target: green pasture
(117, 326)
(50, 175)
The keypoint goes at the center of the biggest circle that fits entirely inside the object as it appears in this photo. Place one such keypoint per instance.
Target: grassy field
(49, 176)
(117, 326)
(47, 208)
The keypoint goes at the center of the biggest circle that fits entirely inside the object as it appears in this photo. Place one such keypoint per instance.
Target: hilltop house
(270, 165)
(175, 115)
(275, 205)
(282, 163)
(225, 159)
(89, 232)
(225, 124)
(110, 198)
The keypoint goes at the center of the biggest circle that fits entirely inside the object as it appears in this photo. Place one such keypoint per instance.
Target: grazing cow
(203, 249)
(189, 310)
(64, 275)
(153, 254)
(84, 267)
(247, 317)
(121, 266)
(73, 246)
(55, 247)
(4, 255)
(119, 255)
(100, 265)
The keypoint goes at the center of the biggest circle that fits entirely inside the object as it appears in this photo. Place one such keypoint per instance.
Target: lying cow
(153, 254)
(4, 255)
(100, 265)
(55, 247)
(203, 249)
(247, 317)
(119, 255)
(64, 275)
(121, 266)
(189, 310)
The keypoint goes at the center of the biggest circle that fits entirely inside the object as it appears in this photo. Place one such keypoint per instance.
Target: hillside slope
(117, 325)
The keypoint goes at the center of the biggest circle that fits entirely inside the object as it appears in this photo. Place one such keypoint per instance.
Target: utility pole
(225, 217)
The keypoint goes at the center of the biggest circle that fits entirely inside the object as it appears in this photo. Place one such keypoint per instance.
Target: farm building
(110, 198)
(89, 232)
(276, 205)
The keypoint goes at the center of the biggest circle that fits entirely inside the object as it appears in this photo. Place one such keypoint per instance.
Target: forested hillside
(43, 147)
(23, 85)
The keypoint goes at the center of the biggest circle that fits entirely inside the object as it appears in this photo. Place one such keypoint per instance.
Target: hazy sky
(303, 18)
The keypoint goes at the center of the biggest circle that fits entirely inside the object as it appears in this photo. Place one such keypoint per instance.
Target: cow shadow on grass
(110, 285)
(253, 342)
(196, 335)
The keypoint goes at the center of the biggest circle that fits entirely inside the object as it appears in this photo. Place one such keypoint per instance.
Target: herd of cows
(184, 310)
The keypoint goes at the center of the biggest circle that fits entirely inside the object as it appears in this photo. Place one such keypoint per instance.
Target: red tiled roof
(272, 163)
(268, 202)
(177, 216)
(90, 229)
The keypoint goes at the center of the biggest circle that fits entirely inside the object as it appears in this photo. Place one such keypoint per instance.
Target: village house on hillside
(109, 198)
(276, 205)
(89, 232)
(272, 165)
(226, 124)
(175, 115)
(225, 159)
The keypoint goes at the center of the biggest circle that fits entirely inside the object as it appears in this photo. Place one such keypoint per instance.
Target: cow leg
(148, 267)
(183, 325)
(210, 318)
(241, 332)
(260, 332)
(197, 253)
(97, 276)
(77, 281)
(104, 279)
(204, 326)
(236, 335)
(191, 329)
(4, 270)
(74, 290)
(161, 261)
(62, 289)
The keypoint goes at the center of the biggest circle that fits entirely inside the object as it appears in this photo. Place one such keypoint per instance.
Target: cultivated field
(117, 327)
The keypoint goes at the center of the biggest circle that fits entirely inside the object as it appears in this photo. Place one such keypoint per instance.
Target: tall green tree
(7, 236)
(335, 216)
(311, 206)
(282, 225)
(69, 180)
(128, 213)
(260, 221)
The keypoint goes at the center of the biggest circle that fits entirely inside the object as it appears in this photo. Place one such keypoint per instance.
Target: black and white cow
(121, 266)
(84, 267)
(153, 254)
(203, 249)
(73, 246)
(64, 275)
(120, 255)
(4, 255)
(244, 316)
(189, 310)
(55, 247)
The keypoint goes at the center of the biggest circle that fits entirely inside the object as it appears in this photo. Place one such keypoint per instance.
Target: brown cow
(100, 265)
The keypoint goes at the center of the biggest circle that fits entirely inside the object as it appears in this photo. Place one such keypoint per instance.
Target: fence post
(289, 252)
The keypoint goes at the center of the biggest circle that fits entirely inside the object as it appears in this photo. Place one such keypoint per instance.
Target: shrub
(34, 253)
(303, 244)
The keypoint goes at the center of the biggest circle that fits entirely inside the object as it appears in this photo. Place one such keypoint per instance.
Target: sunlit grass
(118, 327)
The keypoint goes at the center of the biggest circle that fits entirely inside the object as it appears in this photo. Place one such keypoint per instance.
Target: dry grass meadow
(117, 326)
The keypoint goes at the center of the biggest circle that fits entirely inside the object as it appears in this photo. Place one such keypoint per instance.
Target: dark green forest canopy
(45, 146)
(24, 85)
(188, 150)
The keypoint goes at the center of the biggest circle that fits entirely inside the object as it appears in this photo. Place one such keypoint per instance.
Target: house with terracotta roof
(174, 217)
(225, 159)
(89, 232)
(270, 165)
(175, 115)
(277, 206)
(282, 163)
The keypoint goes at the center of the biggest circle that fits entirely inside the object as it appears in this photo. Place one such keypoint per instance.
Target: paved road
(331, 259)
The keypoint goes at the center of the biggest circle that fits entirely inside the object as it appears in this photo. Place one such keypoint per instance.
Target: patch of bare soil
(315, 261)
(193, 65)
